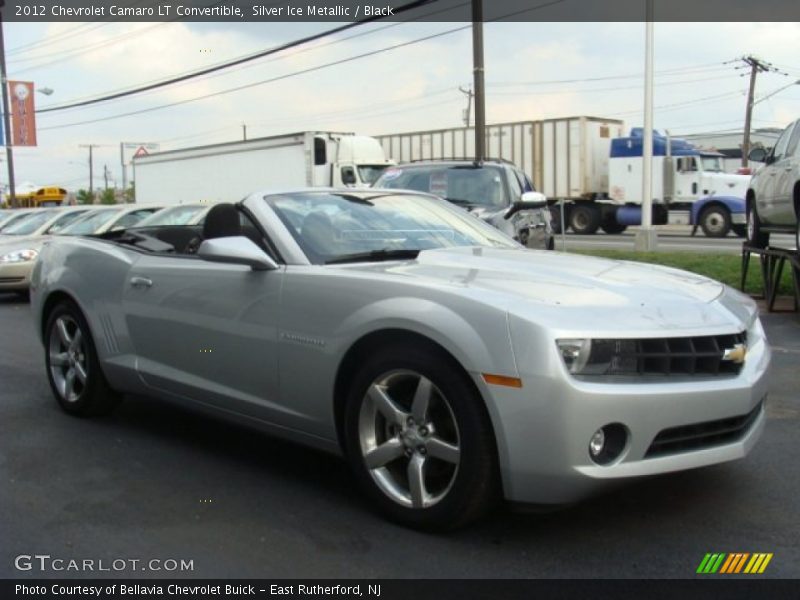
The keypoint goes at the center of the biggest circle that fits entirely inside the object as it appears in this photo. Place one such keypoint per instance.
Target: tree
(108, 196)
(130, 193)
(84, 197)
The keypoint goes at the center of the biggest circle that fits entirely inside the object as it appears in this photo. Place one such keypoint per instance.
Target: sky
(533, 71)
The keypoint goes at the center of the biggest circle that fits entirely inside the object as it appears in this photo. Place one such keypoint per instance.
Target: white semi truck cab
(689, 186)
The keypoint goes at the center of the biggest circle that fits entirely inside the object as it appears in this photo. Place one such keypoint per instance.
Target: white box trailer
(228, 172)
(583, 161)
(565, 158)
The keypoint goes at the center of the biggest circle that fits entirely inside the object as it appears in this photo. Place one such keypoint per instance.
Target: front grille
(11, 279)
(703, 435)
(701, 355)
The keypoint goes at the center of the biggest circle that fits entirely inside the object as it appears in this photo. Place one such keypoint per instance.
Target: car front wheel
(73, 370)
(755, 237)
(419, 440)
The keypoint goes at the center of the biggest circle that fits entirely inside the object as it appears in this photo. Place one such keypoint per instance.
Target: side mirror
(236, 250)
(528, 201)
(757, 155)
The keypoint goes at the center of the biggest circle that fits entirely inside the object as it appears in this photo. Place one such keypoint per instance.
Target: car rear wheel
(73, 370)
(755, 236)
(419, 440)
(715, 222)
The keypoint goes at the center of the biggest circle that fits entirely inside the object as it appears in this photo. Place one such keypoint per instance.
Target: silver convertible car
(447, 363)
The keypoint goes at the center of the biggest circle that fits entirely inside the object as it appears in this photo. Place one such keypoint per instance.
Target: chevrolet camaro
(450, 366)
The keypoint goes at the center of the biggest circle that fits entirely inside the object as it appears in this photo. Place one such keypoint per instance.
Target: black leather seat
(222, 220)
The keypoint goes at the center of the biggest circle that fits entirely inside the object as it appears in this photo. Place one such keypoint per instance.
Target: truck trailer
(228, 172)
(596, 171)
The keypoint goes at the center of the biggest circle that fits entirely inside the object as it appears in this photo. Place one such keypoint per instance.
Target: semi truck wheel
(585, 220)
(715, 221)
(610, 225)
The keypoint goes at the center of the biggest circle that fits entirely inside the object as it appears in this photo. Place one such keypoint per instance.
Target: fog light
(608, 443)
(597, 443)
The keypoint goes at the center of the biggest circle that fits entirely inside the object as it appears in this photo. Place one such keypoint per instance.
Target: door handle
(141, 282)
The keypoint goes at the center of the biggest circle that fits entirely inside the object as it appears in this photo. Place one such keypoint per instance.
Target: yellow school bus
(46, 196)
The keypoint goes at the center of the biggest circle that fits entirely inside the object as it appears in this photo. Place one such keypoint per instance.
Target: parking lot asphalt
(156, 481)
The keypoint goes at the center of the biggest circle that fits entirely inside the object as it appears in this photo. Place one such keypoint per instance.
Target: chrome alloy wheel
(67, 357)
(409, 438)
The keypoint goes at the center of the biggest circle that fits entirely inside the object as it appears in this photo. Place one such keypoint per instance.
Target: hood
(726, 184)
(13, 243)
(568, 291)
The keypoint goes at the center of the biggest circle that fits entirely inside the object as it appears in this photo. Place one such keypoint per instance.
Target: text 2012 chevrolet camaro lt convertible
(447, 363)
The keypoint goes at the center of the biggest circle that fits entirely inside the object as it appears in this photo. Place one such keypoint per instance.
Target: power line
(262, 82)
(607, 89)
(689, 70)
(398, 10)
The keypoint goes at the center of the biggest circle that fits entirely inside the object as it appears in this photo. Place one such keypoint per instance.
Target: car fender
(479, 342)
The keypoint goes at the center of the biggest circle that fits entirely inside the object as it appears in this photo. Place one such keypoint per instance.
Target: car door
(207, 332)
(786, 171)
(769, 195)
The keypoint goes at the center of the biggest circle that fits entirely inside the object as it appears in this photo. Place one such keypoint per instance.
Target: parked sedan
(45, 221)
(19, 252)
(773, 198)
(446, 362)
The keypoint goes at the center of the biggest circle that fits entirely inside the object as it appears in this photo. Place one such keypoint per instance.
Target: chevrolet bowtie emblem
(735, 354)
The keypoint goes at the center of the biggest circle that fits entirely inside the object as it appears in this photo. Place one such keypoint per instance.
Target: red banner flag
(23, 117)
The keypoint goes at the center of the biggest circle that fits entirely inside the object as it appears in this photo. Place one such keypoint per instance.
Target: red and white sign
(23, 116)
(142, 151)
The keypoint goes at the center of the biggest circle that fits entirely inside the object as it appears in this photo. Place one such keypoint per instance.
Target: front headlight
(600, 356)
(19, 256)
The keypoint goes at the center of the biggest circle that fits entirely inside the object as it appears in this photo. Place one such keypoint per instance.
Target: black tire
(740, 230)
(755, 237)
(585, 219)
(92, 396)
(715, 221)
(613, 228)
(555, 217)
(474, 483)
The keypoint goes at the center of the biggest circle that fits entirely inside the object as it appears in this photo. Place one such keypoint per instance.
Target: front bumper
(15, 277)
(543, 429)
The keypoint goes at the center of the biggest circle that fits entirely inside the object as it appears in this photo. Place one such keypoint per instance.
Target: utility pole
(105, 176)
(646, 237)
(477, 72)
(91, 147)
(12, 192)
(468, 112)
(756, 66)
(244, 132)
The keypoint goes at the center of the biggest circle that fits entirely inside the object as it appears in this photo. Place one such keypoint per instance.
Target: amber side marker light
(502, 380)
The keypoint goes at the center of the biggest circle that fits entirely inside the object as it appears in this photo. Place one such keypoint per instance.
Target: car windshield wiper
(459, 201)
(375, 255)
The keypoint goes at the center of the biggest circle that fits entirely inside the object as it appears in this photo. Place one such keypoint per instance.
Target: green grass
(722, 267)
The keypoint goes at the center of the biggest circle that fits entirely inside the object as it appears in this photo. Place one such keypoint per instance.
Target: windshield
(30, 223)
(712, 163)
(328, 226)
(175, 215)
(461, 184)
(12, 219)
(91, 222)
(369, 173)
(65, 220)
